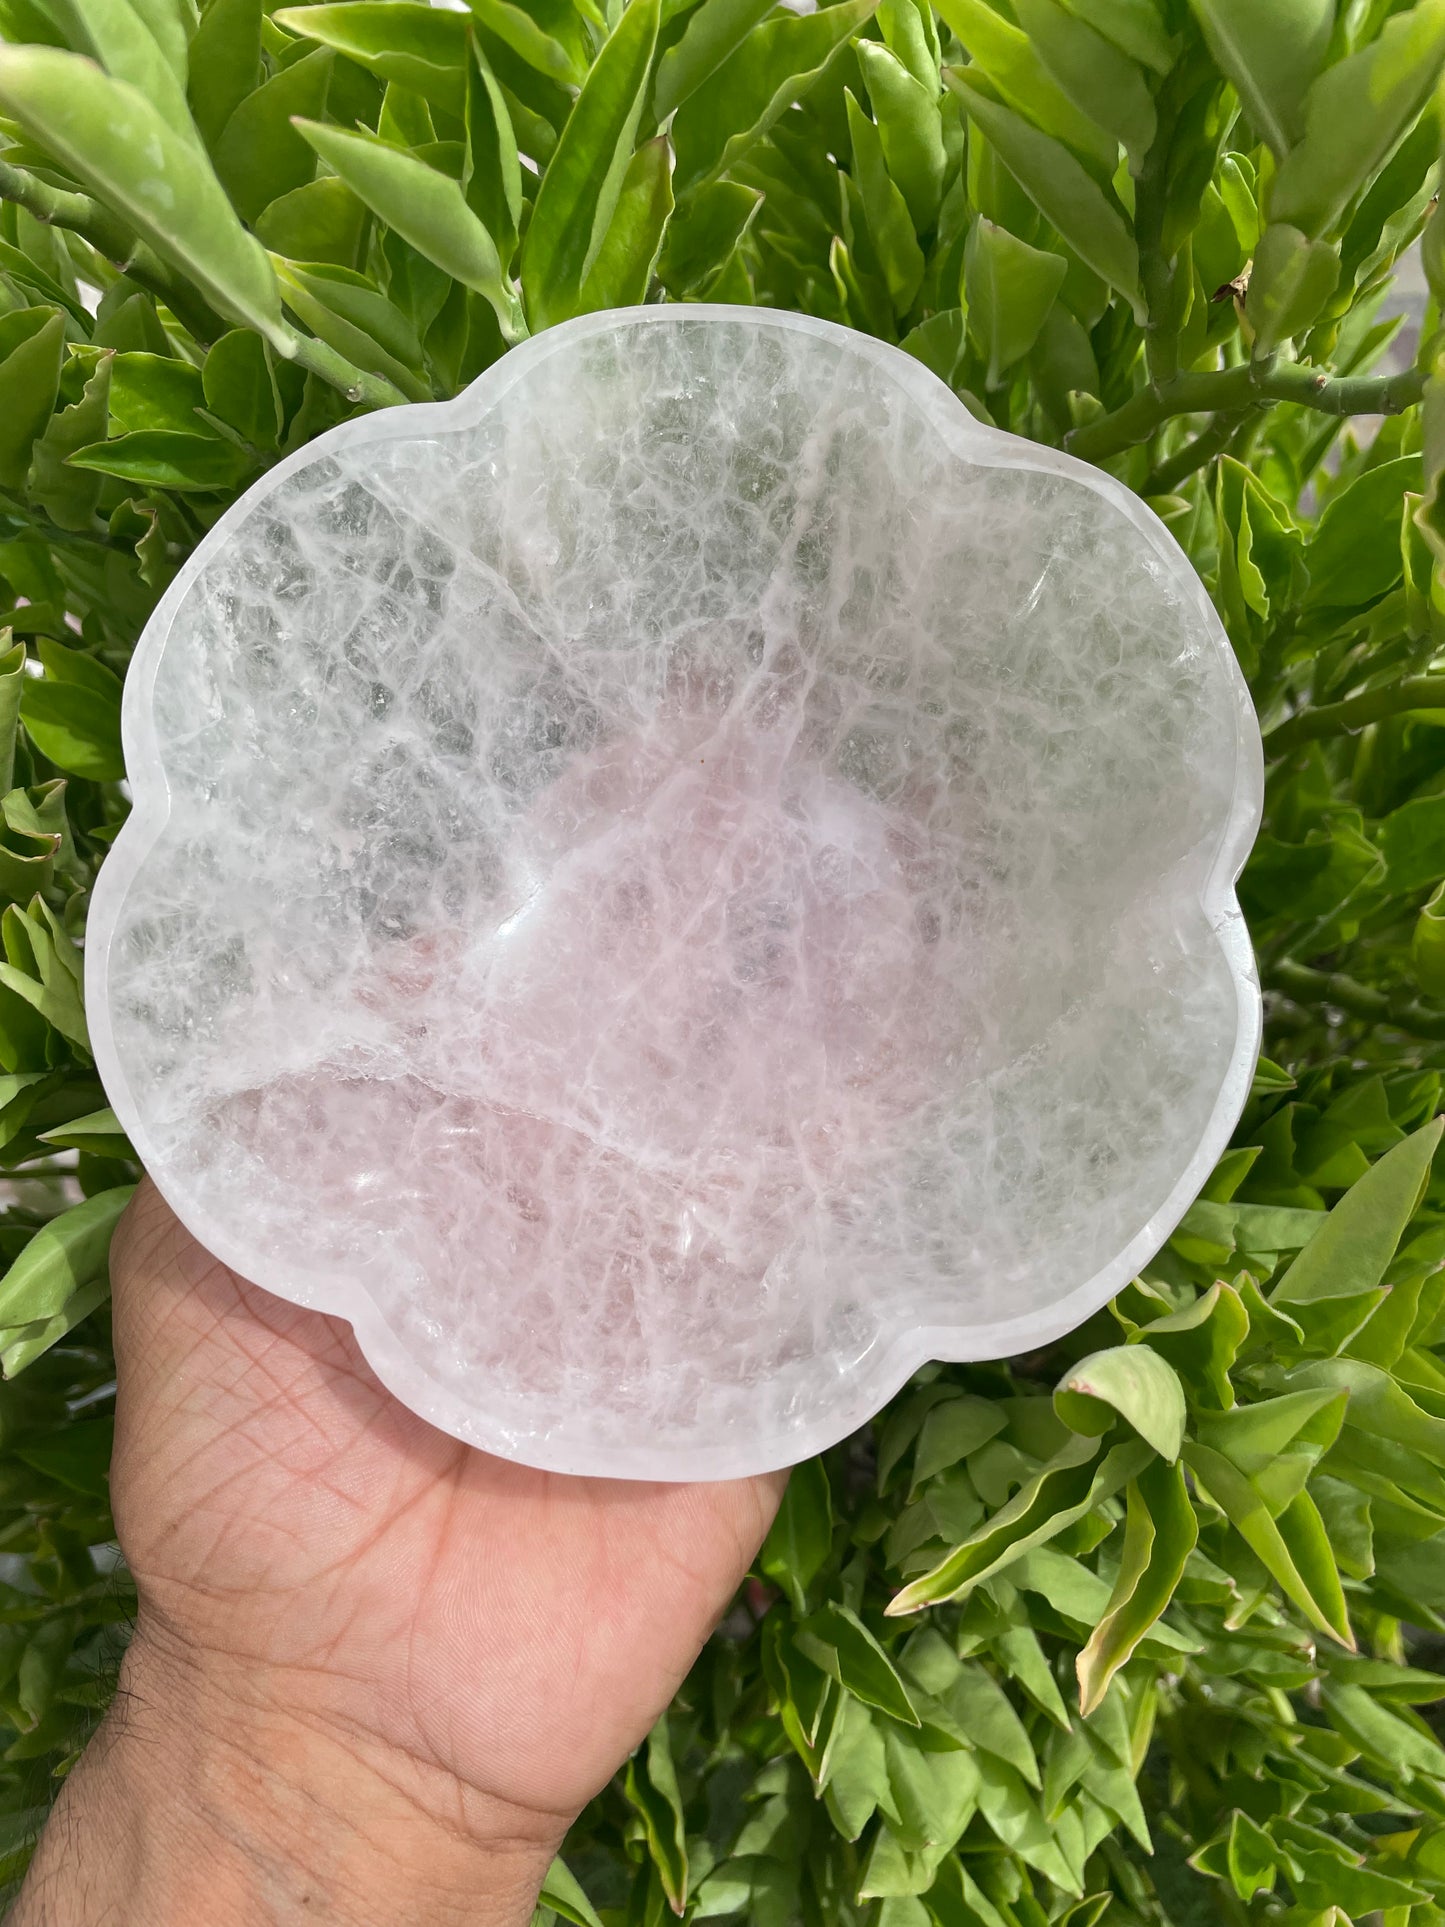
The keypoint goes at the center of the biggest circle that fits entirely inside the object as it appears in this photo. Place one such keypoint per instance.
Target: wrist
(204, 1798)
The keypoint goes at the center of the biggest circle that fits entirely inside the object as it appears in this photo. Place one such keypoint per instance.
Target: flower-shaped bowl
(678, 885)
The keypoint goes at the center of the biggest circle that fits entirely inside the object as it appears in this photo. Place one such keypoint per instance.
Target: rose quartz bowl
(678, 885)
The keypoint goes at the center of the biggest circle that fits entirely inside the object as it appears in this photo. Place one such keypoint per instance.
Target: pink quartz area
(711, 991)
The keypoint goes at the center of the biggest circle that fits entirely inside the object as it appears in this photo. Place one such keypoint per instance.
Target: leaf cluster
(1136, 1629)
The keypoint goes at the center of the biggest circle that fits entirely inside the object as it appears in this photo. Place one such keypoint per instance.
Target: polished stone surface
(677, 885)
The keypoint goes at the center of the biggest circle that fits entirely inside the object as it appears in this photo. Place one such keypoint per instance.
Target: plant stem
(325, 361)
(95, 224)
(1316, 987)
(1336, 719)
(1210, 441)
(1233, 389)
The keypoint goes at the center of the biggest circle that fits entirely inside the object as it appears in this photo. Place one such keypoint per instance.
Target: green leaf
(77, 1456)
(1427, 945)
(155, 391)
(979, 1709)
(12, 685)
(713, 33)
(651, 1786)
(1202, 1341)
(1065, 1490)
(118, 144)
(703, 233)
(562, 1892)
(99, 1133)
(584, 178)
(346, 310)
(1100, 80)
(72, 714)
(890, 226)
(21, 1345)
(774, 67)
(910, 127)
(118, 39)
(1254, 1436)
(69, 496)
(1355, 112)
(1400, 1749)
(29, 381)
(622, 272)
(1354, 555)
(547, 34)
(1316, 1589)
(63, 1257)
(318, 222)
(1160, 1532)
(940, 343)
(225, 63)
(1074, 203)
(1010, 288)
(1289, 284)
(1251, 1857)
(1014, 67)
(953, 1430)
(1271, 54)
(404, 41)
(240, 388)
(801, 1536)
(1015, 1818)
(933, 1794)
(493, 177)
(1134, 27)
(1133, 1382)
(1352, 1250)
(260, 156)
(426, 208)
(837, 1640)
(165, 458)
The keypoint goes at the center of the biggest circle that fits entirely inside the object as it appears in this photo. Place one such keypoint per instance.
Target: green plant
(1134, 1628)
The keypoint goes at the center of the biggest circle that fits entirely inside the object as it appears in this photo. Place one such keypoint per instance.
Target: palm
(281, 1512)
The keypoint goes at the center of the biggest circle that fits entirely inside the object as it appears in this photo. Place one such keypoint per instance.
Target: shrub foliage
(1136, 1628)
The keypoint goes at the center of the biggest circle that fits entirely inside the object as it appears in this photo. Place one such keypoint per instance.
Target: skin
(375, 1673)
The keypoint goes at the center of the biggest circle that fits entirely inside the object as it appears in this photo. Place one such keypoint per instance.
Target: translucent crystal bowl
(678, 885)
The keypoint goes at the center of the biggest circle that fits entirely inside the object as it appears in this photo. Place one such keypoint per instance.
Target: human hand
(375, 1673)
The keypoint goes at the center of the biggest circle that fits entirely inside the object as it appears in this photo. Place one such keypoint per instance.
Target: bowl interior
(674, 870)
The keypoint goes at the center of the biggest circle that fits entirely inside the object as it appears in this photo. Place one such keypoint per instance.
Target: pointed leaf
(113, 140)
(1010, 288)
(1271, 54)
(1068, 197)
(29, 380)
(890, 226)
(1100, 80)
(1132, 1381)
(622, 272)
(801, 1535)
(1161, 1530)
(713, 32)
(1353, 1249)
(583, 181)
(426, 208)
(837, 1640)
(774, 67)
(404, 41)
(225, 63)
(63, 1256)
(1355, 112)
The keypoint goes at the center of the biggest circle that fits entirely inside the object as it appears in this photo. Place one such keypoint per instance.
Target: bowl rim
(877, 1373)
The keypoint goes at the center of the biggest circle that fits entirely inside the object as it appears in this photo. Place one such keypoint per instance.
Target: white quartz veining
(679, 884)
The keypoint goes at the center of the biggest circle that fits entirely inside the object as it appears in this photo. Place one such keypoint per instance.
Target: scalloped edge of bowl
(880, 1371)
